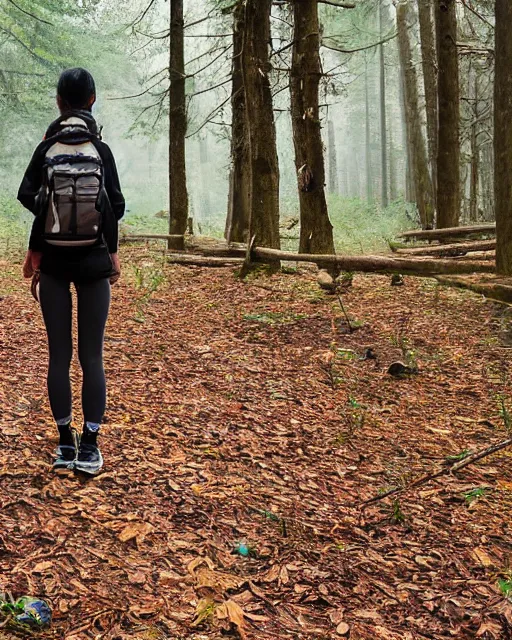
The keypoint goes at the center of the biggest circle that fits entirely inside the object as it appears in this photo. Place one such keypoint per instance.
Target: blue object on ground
(243, 550)
(35, 612)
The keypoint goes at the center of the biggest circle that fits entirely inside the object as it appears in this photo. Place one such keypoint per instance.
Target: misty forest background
(368, 103)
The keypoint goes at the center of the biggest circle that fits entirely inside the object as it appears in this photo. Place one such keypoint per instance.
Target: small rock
(397, 369)
(325, 280)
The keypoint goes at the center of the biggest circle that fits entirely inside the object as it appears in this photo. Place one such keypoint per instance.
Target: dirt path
(243, 412)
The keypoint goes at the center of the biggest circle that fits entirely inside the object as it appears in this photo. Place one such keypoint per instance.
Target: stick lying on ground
(451, 232)
(457, 466)
(448, 250)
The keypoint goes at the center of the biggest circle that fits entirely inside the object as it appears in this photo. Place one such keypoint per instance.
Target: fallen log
(449, 250)
(499, 291)
(450, 232)
(137, 237)
(203, 261)
(378, 264)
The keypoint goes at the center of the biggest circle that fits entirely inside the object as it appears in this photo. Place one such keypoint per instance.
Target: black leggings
(93, 306)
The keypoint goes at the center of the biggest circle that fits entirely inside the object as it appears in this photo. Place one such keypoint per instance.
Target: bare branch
(370, 46)
(211, 115)
(27, 13)
(216, 86)
(224, 50)
(143, 14)
(200, 21)
(340, 5)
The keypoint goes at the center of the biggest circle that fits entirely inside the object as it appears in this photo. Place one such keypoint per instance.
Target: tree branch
(211, 115)
(27, 13)
(340, 5)
(370, 46)
(215, 86)
(460, 464)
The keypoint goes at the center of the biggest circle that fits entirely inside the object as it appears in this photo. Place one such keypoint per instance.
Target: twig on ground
(350, 327)
(457, 466)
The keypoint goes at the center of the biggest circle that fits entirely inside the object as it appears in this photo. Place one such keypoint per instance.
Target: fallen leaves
(224, 430)
(136, 530)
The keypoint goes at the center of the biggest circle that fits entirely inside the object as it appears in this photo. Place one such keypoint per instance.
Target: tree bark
(406, 144)
(450, 250)
(380, 264)
(393, 188)
(448, 153)
(429, 65)
(261, 130)
(475, 152)
(237, 223)
(178, 196)
(383, 130)
(305, 74)
(333, 159)
(503, 137)
(367, 142)
(450, 232)
(422, 183)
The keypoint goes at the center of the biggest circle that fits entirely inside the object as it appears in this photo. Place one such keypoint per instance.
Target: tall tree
(368, 137)
(237, 223)
(305, 75)
(261, 130)
(333, 159)
(383, 126)
(448, 151)
(178, 195)
(503, 137)
(429, 65)
(415, 140)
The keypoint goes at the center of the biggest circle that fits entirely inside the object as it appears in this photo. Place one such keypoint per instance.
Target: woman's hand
(32, 263)
(117, 268)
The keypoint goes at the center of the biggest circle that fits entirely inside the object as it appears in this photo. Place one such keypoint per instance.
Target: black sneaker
(89, 459)
(67, 449)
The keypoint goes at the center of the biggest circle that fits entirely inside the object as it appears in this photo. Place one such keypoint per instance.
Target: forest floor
(244, 412)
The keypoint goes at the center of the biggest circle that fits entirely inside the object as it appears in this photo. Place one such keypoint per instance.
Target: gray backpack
(73, 184)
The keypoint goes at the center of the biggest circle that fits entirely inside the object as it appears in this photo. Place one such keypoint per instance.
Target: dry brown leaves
(244, 412)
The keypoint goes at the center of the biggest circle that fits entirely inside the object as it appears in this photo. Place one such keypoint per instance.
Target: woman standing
(72, 187)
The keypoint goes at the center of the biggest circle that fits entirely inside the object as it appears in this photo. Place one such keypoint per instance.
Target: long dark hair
(76, 88)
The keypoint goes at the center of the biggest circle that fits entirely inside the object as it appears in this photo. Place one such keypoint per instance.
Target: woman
(72, 187)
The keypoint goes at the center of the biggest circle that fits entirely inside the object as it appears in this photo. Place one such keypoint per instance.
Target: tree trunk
(429, 64)
(421, 177)
(448, 153)
(355, 183)
(383, 131)
(263, 161)
(345, 184)
(305, 74)
(333, 160)
(393, 188)
(205, 210)
(488, 202)
(178, 196)
(409, 186)
(503, 137)
(475, 152)
(367, 143)
(237, 223)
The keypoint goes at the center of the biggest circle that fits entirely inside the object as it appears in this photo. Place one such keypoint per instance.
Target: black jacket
(61, 259)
